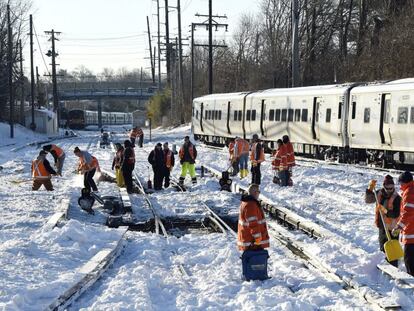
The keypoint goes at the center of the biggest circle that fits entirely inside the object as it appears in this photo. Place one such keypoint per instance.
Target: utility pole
(150, 50)
(193, 44)
(21, 84)
(167, 44)
(53, 54)
(32, 92)
(180, 65)
(159, 45)
(295, 44)
(38, 88)
(10, 69)
(210, 47)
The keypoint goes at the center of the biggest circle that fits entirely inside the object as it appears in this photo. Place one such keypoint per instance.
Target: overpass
(99, 94)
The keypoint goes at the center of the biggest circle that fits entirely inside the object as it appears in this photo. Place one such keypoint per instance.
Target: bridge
(99, 94)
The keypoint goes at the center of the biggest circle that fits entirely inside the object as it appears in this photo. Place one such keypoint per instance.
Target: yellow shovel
(393, 249)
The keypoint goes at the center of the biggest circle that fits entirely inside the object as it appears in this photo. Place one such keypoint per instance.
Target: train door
(315, 117)
(228, 117)
(263, 118)
(385, 129)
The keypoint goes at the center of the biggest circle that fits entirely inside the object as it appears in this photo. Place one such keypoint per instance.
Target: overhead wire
(41, 51)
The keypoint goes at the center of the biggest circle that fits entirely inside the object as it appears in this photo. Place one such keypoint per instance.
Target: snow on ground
(147, 275)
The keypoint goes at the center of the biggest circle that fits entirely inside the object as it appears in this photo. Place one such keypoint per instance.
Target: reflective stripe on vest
(389, 222)
(39, 170)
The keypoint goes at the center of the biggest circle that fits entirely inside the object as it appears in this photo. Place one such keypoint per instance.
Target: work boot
(241, 174)
(181, 181)
(194, 180)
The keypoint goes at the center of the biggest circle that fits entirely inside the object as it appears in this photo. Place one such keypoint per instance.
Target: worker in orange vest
(117, 163)
(405, 222)
(188, 155)
(133, 135)
(241, 155)
(233, 160)
(140, 135)
(290, 154)
(128, 165)
(252, 234)
(156, 159)
(87, 166)
(41, 172)
(279, 163)
(58, 155)
(169, 164)
(256, 158)
(389, 204)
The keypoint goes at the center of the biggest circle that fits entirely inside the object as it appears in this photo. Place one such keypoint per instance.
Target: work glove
(254, 164)
(395, 232)
(372, 184)
(383, 209)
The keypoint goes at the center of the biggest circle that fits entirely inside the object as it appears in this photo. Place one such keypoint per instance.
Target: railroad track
(316, 232)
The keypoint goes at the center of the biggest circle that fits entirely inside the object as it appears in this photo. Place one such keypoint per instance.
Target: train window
(205, 116)
(271, 115)
(387, 110)
(216, 115)
(328, 115)
(235, 115)
(403, 115)
(253, 115)
(340, 110)
(290, 115)
(277, 116)
(304, 115)
(353, 110)
(367, 115)
(209, 114)
(240, 115)
(248, 115)
(220, 115)
(284, 115)
(297, 115)
(196, 114)
(412, 115)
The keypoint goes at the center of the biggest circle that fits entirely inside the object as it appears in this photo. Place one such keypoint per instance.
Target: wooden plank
(56, 217)
(400, 276)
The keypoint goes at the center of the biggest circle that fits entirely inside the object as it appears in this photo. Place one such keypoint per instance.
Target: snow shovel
(392, 248)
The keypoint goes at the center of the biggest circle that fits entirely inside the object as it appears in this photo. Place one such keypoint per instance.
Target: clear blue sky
(89, 29)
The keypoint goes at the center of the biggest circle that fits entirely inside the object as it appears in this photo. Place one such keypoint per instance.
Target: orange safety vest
(133, 133)
(290, 155)
(241, 147)
(59, 152)
(39, 170)
(389, 222)
(253, 155)
(190, 151)
(406, 219)
(140, 132)
(88, 166)
(231, 149)
(252, 228)
(168, 159)
(280, 161)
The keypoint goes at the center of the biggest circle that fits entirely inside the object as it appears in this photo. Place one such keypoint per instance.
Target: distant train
(358, 122)
(78, 119)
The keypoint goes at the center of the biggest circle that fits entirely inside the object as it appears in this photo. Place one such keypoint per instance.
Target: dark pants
(382, 238)
(235, 166)
(127, 173)
(284, 178)
(140, 141)
(409, 258)
(132, 139)
(166, 178)
(256, 174)
(37, 183)
(158, 177)
(88, 181)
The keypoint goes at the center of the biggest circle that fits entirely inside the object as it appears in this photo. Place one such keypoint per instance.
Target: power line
(103, 39)
(41, 50)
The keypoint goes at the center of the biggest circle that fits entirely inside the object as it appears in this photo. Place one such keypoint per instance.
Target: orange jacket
(390, 222)
(134, 133)
(257, 153)
(231, 149)
(406, 219)
(252, 228)
(39, 170)
(290, 154)
(169, 159)
(279, 163)
(241, 147)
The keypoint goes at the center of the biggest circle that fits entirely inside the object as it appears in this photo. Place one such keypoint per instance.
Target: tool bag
(254, 264)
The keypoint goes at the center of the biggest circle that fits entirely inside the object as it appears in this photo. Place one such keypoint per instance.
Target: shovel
(393, 249)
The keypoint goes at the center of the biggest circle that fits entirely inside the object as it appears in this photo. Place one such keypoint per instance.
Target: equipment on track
(110, 203)
(254, 264)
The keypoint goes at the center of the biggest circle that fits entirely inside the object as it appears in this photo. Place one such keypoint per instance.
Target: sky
(113, 33)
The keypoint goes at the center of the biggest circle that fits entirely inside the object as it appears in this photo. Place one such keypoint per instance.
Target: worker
(233, 161)
(252, 232)
(41, 172)
(128, 165)
(169, 164)
(133, 135)
(140, 135)
(156, 159)
(280, 165)
(117, 163)
(188, 155)
(290, 154)
(389, 204)
(58, 155)
(405, 222)
(88, 165)
(241, 155)
(256, 158)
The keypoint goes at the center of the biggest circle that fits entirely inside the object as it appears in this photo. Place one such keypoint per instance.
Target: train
(79, 119)
(350, 123)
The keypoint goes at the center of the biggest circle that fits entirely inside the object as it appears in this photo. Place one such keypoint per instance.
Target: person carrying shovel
(387, 210)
